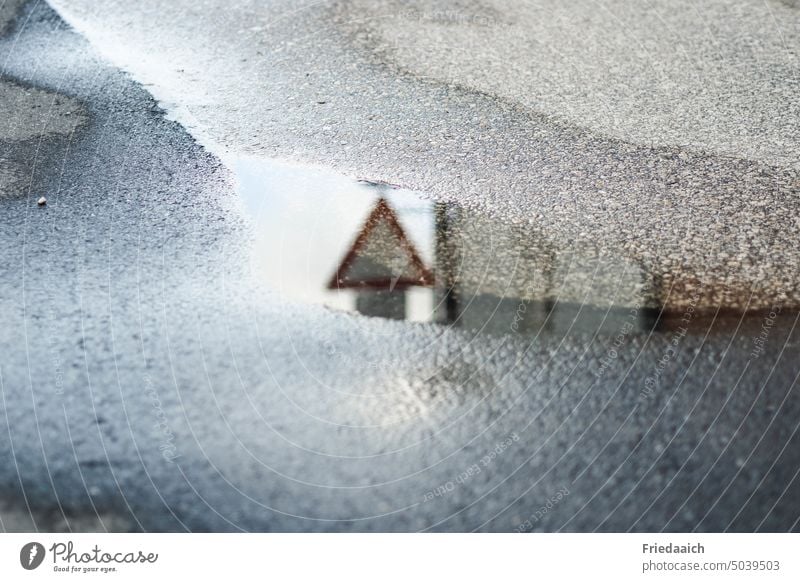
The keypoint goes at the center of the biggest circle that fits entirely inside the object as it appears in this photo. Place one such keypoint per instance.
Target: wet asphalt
(150, 383)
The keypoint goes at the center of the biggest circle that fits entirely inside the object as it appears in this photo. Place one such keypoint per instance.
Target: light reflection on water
(381, 251)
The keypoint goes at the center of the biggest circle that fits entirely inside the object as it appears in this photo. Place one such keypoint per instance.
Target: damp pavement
(586, 331)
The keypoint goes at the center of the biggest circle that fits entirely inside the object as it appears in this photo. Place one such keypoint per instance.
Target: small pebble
(42, 201)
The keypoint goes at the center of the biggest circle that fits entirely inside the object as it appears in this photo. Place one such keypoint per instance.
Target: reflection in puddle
(383, 251)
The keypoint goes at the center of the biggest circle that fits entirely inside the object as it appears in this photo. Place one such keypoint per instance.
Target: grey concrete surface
(37, 113)
(148, 383)
(8, 10)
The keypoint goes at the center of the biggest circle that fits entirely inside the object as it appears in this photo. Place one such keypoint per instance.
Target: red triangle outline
(382, 211)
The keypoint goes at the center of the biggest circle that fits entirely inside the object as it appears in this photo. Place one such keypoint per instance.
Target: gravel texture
(148, 383)
(666, 134)
(8, 10)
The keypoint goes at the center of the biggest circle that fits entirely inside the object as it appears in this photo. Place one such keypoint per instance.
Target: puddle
(387, 252)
